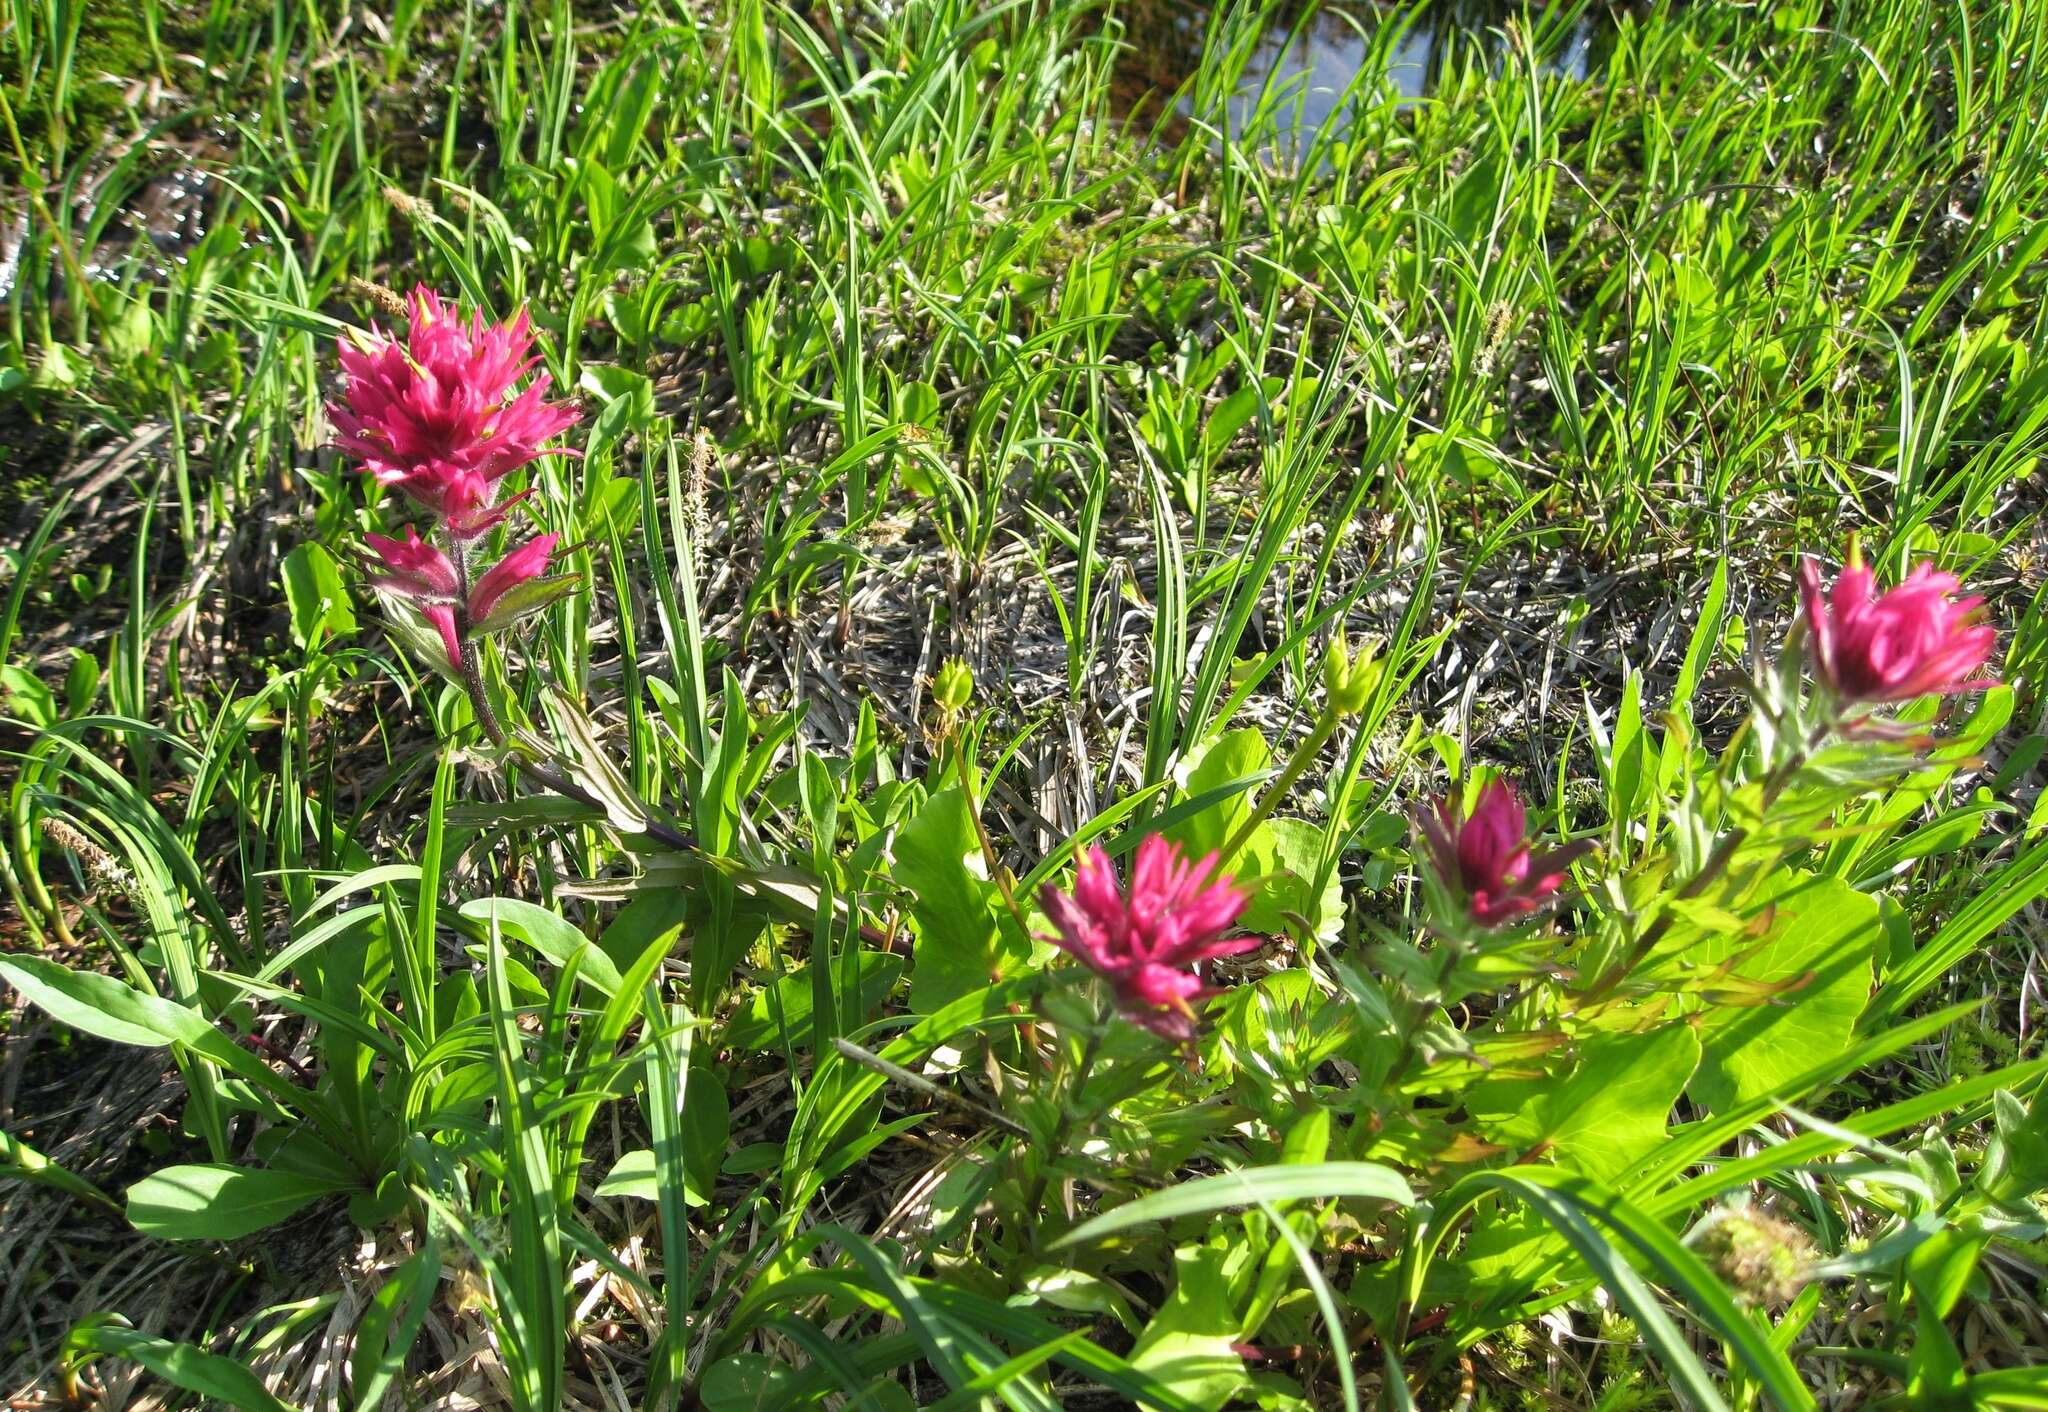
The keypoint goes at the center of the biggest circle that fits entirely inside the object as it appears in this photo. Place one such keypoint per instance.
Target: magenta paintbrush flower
(437, 417)
(1899, 645)
(528, 561)
(1485, 856)
(415, 570)
(1146, 941)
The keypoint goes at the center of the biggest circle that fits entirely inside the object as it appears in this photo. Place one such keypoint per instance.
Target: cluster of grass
(909, 331)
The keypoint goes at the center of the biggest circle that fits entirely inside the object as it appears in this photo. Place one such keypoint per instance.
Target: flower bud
(1484, 855)
(1349, 681)
(953, 687)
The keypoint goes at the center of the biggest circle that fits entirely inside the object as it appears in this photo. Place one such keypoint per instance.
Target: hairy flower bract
(1896, 646)
(1484, 856)
(528, 561)
(438, 417)
(414, 569)
(1146, 940)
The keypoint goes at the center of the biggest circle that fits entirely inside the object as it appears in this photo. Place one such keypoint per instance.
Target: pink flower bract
(416, 570)
(1146, 941)
(1896, 646)
(1485, 856)
(528, 561)
(437, 417)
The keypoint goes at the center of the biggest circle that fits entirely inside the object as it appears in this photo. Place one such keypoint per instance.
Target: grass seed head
(1763, 1259)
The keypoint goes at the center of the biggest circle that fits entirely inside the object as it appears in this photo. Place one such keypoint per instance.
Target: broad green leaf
(1235, 758)
(1604, 1116)
(785, 1008)
(1286, 852)
(222, 1380)
(1304, 1181)
(633, 1175)
(589, 762)
(1017, 1325)
(99, 1005)
(746, 1382)
(109, 1009)
(1188, 1346)
(25, 696)
(961, 945)
(1821, 947)
(209, 1201)
(635, 927)
(552, 936)
(319, 602)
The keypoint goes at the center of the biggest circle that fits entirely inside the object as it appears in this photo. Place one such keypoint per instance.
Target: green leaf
(552, 936)
(1230, 764)
(656, 914)
(633, 1175)
(1607, 1114)
(181, 1364)
(628, 405)
(1188, 1345)
(523, 600)
(109, 1009)
(319, 603)
(209, 1201)
(99, 1005)
(25, 696)
(961, 947)
(81, 683)
(589, 762)
(1310, 1181)
(705, 1129)
(18, 1159)
(1821, 946)
(746, 1382)
(2019, 1388)
(2015, 1164)
(784, 1010)
(1285, 852)
(391, 1325)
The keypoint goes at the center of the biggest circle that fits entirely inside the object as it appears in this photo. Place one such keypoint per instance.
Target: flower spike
(1146, 940)
(1485, 858)
(1894, 647)
(437, 416)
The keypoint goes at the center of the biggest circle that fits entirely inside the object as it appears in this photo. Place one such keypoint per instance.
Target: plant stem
(1774, 784)
(988, 847)
(1326, 726)
(545, 775)
(1074, 1084)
